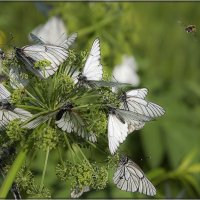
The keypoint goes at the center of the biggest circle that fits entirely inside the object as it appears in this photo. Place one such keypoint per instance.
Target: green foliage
(47, 138)
(83, 174)
(14, 130)
(168, 60)
(17, 96)
(25, 179)
(37, 192)
(41, 64)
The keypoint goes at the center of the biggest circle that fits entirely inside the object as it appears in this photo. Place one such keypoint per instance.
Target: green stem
(80, 150)
(69, 146)
(60, 155)
(8, 181)
(44, 170)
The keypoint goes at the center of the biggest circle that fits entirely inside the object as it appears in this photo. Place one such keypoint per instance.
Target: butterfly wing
(4, 93)
(140, 93)
(77, 192)
(16, 81)
(130, 177)
(134, 120)
(135, 102)
(56, 55)
(93, 68)
(71, 122)
(117, 132)
(51, 30)
(22, 114)
(36, 122)
(37, 39)
(62, 41)
(65, 41)
(5, 117)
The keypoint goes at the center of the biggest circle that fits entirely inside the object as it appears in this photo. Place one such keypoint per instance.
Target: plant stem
(44, 170)
(12, 173)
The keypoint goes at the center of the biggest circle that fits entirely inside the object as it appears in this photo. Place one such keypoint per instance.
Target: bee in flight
(191, 29)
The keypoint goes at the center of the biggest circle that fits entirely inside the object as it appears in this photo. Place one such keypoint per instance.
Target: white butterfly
(119, 123)
(54, 54)
(134, 101)
(70, 121)
(131, 178)
(51, 30)
(77, 192)
(93, 71)
(9, 112)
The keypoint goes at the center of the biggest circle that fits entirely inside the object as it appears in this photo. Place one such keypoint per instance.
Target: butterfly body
(65, 108)
(6, 105)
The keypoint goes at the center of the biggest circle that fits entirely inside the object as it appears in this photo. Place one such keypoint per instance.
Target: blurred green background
(169, 66)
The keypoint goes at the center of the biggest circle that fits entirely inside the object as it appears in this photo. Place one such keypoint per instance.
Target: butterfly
(9, 112)
(52, 55)
(92, 72)
(50, 31)
(119, 124)
(69, 120)
(77, 192)
(131, 178)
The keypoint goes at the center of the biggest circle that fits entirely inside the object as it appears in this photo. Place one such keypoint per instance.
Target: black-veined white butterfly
(119, 124)
(9, 112)
(131, 178)
(69, 120)
(77, 192)
(53, 55)
(93, 71)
